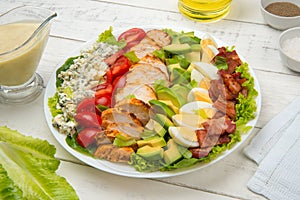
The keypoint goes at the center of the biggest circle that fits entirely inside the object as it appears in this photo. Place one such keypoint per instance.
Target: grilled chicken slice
(155, 62)
(142, 92)
(114, 154)
(159, 37)
(146, 46)
(136, 106)
(131, 130)
(114, 115)
(102, 138)
(144, 74)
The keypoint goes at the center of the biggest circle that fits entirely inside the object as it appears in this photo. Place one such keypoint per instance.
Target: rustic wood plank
(80, 21)
(84, 21)
(90, 183)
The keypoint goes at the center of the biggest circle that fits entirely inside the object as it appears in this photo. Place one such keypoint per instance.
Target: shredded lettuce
(28, 167)
(143, 165)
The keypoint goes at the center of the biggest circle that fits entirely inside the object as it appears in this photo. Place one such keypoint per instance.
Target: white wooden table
(81, 20)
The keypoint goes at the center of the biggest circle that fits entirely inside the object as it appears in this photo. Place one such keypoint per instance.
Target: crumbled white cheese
(81, 77)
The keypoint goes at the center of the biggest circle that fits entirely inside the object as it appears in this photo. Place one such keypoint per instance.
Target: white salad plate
(124, 169)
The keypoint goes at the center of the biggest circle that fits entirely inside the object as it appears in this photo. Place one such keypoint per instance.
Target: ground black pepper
(285, 9)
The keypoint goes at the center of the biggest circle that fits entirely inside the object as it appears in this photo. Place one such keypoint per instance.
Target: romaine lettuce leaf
(30, 167)
(8, 190)
(52, 101)
(143, 165)
(109, 38)
(64, 67)
(132, 57)
(246, 107)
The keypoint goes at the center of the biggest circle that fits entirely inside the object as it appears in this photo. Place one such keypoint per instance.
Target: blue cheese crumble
(85, 73)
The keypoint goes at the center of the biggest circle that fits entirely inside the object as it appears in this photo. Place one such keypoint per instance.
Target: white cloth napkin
(276, 149)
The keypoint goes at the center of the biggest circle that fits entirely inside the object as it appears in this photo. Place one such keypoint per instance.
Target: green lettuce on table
(28, 169)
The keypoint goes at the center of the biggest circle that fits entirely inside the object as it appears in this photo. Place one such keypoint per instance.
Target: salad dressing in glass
(17, 60)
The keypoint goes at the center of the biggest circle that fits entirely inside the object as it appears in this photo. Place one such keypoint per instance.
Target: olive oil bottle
(204, 10)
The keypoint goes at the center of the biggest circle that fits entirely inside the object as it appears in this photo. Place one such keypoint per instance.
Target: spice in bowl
(292, 47)
(284, 9)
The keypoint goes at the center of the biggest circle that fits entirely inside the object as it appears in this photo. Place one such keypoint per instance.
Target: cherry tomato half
(131, 36)
(86, 137)
(104, 100)
(120, 67)
(104, 91)
(88, 119)
(119, 82)
(87, 104)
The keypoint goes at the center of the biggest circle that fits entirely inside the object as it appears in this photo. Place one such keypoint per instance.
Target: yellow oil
(204, 10)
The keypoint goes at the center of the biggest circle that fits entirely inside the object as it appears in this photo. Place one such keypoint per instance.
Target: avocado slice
(177, 48)
(160, 107)
(168, 94)
(184, 151)
(182, 91)
(154, 126)
(154, 142)
(124, 143)
(147, 133)
(173, 66)
(189, 40)
(163, 121)
(196, 47)
(175, 40)
(172, 154)
(150, 153)
(194, 56)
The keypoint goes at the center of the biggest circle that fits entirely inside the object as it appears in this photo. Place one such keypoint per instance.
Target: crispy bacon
(232, 84)
(227, 107)
(200, 152)
(232, 59)
(218, 88)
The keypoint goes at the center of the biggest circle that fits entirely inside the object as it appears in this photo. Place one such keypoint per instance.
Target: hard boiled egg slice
(193, 107)
(207, 70)
(199, 94)
(203, 82)
(208, 48)
(196, 75)
(209, 53)
(184, 136)
(192, 121)
(208, 40)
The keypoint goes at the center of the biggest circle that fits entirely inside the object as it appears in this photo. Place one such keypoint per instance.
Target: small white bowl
(279, 22)
(290, 62)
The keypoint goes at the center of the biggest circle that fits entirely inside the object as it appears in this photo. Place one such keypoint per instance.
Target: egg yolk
(200, 96)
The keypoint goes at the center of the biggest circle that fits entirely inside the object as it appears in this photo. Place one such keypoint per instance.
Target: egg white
(177, 134)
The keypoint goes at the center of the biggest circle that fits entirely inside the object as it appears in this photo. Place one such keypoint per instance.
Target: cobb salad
(157, 100)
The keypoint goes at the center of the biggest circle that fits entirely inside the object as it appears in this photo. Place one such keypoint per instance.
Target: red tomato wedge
(104, 89)
(88, 119)
(132, 37)
(104, 100)
(86, 137)
(120, 67)
(119, 82)
(87, 104)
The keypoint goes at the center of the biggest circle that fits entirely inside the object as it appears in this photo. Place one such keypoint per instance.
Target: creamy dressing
(18, 65)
